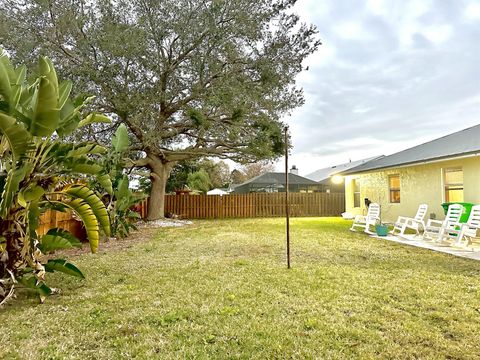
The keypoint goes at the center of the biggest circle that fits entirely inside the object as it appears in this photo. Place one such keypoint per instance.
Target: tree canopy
(188, 78)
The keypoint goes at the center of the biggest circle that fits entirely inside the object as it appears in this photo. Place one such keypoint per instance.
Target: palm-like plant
(119, 199)
(42, 172)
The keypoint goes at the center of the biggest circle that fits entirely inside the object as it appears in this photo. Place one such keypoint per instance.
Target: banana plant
(43, 171)
(119, 199)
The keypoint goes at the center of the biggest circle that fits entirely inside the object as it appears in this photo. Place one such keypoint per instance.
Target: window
(453, 182)
(394, 188)
(356, 193)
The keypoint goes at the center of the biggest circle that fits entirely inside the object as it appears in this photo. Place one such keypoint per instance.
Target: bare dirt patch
(146, 230)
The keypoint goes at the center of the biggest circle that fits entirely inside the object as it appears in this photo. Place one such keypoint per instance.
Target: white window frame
(390, 189)
(444, 184)
(355, 181)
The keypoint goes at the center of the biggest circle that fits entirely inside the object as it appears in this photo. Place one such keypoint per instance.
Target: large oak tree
(189, 78)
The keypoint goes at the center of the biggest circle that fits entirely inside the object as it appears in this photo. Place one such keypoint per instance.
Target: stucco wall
(418, 184)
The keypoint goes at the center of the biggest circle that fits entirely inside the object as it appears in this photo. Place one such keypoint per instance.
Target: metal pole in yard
(287, 205)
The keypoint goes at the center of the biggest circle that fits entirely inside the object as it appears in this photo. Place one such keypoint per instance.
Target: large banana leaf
(31, 282)
(97, 206)
(5, 87)
(87, 149)
(8, 67)
(84, 166)
(123, 194)
(122, 188)
(17, 136)
(94, 118)
(69, 118)
(120, 140)
(86, 214)
(20, 75)
(18, 87)
(57, 239)
(46, 113)
(30, 193)
(63, 93)
(106, 183)
(33, 218)
(14, 177)
(48, 70)
(63, 266)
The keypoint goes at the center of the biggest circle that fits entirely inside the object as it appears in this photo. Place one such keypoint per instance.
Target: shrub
(42, 172)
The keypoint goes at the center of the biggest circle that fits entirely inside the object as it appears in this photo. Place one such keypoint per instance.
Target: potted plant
(381, 229)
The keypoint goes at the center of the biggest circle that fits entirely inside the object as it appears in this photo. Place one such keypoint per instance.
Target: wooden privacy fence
(251, 205)
(64, 220)
(217, 206)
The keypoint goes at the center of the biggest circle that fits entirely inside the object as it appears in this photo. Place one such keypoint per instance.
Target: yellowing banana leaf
(97, 206)
(86, 214)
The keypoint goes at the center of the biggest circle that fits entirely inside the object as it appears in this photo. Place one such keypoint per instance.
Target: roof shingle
(460, 143)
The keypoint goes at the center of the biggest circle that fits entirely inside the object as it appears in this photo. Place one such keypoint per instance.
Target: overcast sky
(389, 75)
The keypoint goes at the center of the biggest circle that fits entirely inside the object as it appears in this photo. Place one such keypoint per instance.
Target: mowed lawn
(220, 289)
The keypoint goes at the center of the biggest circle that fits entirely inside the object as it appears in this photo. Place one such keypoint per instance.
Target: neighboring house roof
(460, 143)
(278, 178)
(324, 174)
(217, 192)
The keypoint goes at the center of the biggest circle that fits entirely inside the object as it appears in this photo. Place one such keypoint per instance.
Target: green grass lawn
(220, 289)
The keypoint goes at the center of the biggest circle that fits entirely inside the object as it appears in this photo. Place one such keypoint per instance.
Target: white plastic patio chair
(434, 228)
(462, 234)
(371, 219)
(403, 223)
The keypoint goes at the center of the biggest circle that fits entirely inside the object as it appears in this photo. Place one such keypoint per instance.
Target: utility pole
(287, 205)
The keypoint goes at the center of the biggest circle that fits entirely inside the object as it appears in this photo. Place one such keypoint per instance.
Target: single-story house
(273, 182)
(443, 170)
(329, 178)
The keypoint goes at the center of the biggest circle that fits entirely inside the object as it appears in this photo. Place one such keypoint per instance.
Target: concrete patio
(473, 252)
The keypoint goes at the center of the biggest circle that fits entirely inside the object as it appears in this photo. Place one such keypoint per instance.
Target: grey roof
(278, 178)
(325, 173)
(464, 142)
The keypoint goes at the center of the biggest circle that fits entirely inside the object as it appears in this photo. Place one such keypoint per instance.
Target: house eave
(415, 163)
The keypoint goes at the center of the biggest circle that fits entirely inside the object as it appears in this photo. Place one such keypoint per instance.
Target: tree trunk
(160, 171)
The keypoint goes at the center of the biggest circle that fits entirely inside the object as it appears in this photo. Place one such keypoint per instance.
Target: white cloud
(378, 7)
(389, 76)
(351, 30)
(361, 110)
(438, 33)
(472, 11)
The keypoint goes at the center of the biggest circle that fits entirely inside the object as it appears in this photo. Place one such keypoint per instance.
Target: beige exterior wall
(418, 184)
